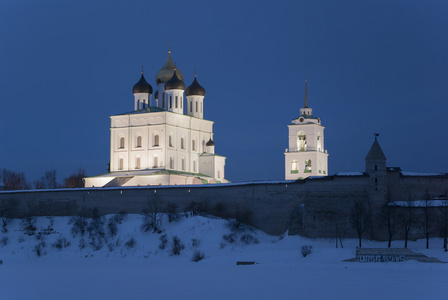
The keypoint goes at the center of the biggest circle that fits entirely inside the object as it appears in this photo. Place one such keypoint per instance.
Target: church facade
(165, 141)
(306, 155)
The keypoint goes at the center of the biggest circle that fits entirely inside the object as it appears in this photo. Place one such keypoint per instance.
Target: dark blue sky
(372, 66)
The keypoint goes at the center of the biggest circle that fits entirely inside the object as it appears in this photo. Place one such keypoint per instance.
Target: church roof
(167, 71)
(142, 86)
(375, 151)
(195, 89)
(175, 83)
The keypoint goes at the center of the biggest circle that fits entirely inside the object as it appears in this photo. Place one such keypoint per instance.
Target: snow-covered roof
(422, 174)
(421, 203)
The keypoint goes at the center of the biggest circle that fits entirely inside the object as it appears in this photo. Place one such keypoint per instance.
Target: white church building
(165, 141)
(306, 155)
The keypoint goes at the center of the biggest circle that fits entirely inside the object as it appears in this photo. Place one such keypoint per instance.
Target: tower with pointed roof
(376, 164)
(305, 155)
(162, 145)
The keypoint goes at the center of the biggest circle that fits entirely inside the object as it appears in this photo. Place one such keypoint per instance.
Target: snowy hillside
(118, 260)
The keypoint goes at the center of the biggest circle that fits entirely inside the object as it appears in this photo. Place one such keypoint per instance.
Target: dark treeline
(11, 180)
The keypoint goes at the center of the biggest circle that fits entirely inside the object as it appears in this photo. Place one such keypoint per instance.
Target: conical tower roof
(195, 89)
(175, 83)
(167, 71)
(375, 151)
(142, 86)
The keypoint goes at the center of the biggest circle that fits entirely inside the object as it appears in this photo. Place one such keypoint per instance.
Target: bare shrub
(249, 239)
(177, 246)
(306, 250)
(28, 224)
(163, 242)
(112, 228)
(120, 217)
(39, 249)
(230, 238)
(130, 243)
(195, 243)
(79, 225)
(197, 256)
(82, 244)
(61, 243)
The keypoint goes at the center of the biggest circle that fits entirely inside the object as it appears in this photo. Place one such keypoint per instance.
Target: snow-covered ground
(120, 270)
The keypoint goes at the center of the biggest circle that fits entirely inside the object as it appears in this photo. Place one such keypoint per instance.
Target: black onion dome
(167, 71)
(142, 86)
(175, 83)
(195, 89)
(210, 143)
(156, 96)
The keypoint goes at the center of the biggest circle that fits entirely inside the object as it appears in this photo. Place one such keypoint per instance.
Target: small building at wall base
(157, 143)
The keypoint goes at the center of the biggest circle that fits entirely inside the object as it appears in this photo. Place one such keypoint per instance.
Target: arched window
(191, 106)
(137, 163)
(170, 141)
(171, 163)
(163, 100)
(121, 142)
(319, 142)
(301, 141)
(139, 141)
(308, 166)
(156, 140)
(181, 101)
(138, 104)
(295, 166)
(171, 102)
(120, 164)
(176, 101)
(203, 146)
(183, 164)
(156, 161)
(196, 106)
(182, 146)
(219, 175)
(193, 145)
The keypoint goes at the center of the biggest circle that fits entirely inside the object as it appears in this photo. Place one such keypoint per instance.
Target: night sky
(372, 67)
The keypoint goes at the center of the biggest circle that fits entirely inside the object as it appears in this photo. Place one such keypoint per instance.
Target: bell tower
(306, 155)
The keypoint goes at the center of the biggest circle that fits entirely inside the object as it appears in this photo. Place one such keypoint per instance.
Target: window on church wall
(156, 140)
(219, 174)
(191, 106)
(301, 141)
(170, 141)
(163, 102)
(137, 163)
(194, 166)
(176, 101)
(319, 142)
(193, 145)
(171, 163)
(171, 102)
(121, 142)
(139, 141)
(203, 146)
(138, 104)
(120, 164)
(295, 166)
(182, 146)
(196, 106)
(183, 164)
(181, 102)
(156, 161)
(308, 166)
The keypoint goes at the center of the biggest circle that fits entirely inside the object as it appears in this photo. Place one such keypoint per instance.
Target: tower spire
(306, 92)
(169, 49)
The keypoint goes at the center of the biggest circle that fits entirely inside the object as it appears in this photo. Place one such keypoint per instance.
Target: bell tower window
(301, 141)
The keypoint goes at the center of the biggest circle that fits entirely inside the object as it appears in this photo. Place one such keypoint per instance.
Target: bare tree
(151, 215)
(426, 214)
(75, 180)
(14, 181)
(390, 219)
(48, 181)
(360, 218)
(406, 217)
